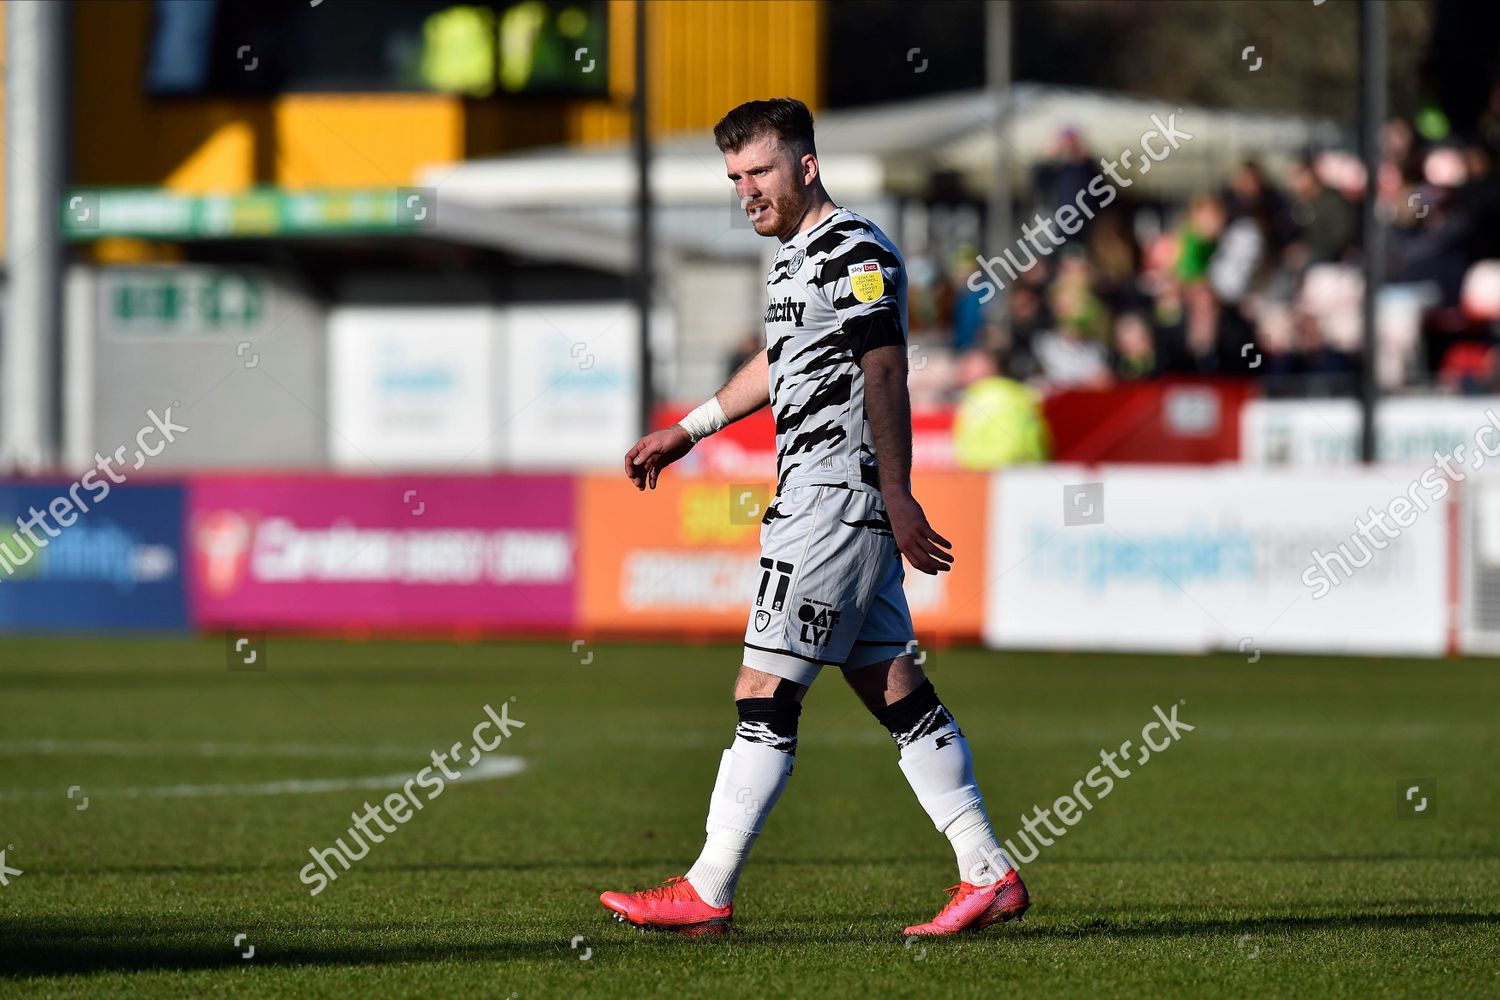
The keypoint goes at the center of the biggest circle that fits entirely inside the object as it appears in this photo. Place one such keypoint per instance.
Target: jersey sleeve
(863, 280)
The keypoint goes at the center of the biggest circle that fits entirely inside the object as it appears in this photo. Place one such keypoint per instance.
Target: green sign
(92, 213)
(183, 301)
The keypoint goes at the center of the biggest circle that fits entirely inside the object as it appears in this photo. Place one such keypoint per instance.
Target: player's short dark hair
(784, 117)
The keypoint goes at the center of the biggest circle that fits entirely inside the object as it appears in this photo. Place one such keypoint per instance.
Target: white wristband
(705, 420)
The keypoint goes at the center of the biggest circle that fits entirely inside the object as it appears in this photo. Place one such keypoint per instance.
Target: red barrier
(1169, 421)
(747, 448)
(1178, 422)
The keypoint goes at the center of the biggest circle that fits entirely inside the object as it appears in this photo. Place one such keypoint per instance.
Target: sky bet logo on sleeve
(866, 281)
(785, 311)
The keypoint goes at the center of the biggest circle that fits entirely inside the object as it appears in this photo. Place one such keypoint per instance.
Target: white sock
(751, 778)
(940, 769)
(981, 859)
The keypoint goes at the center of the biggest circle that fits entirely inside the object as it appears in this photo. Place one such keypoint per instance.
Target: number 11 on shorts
(782, 584)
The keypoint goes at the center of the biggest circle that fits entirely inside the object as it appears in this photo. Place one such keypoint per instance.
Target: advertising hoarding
(1168, 559)
(396, 553)
(116, 565)
(682, 559)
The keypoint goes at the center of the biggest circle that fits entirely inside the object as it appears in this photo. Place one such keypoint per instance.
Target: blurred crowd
(1261, 278)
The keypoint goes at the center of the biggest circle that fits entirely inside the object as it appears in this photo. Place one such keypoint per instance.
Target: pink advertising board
(393, 553)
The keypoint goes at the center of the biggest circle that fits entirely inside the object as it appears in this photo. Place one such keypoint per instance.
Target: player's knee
(753, 683)
(903, 678)
(882, 684)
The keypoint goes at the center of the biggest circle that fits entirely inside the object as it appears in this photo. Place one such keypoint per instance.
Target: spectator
(1113, 252)
(1326, 224)
(1199, 237)
(1432, 236)
(1027, 319)
(1074, 304)
(1067, 359)
(1251, 195)
(999, 421)
(1240, 256)
(968, 312)
(1067, 171)
(1134, 354)
(1207, 339)
(1151, 289)
(1480, 196)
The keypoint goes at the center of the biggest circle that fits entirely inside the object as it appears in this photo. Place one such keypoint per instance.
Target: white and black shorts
(829, 589)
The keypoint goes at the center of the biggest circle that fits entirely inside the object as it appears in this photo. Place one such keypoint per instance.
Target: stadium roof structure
(871, 155)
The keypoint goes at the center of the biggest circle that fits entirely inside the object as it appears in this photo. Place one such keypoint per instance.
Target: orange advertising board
(951, 605)
(682, 560)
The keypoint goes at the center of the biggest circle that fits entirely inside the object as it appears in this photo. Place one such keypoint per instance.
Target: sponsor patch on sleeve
(866, 281)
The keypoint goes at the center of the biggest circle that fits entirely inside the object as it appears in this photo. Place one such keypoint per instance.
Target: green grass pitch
(1263, 854)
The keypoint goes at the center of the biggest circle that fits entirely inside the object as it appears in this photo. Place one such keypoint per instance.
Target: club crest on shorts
(762, 619)
(866, 281)
(796, 262)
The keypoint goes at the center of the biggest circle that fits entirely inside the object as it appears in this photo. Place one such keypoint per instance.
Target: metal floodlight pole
(645, 274)
(997, 62)
(1372, 114)
(34, 118)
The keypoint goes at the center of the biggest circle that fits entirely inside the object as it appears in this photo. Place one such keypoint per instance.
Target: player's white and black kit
(830, 584)
(829, 581)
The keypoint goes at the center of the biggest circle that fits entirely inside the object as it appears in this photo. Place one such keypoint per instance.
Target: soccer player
(829, 592)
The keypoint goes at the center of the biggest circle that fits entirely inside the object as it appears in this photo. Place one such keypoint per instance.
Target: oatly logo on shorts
(818, 620)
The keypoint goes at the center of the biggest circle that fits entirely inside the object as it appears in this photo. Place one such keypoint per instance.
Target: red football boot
(674, 905)
(975, 907)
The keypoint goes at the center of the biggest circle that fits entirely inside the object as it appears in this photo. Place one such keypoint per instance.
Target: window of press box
(482, 49)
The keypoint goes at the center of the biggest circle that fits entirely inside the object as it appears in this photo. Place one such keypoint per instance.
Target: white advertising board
(572, 384)
(1218, 558)
(1479, 545)
(1325, 432)
(411, 386)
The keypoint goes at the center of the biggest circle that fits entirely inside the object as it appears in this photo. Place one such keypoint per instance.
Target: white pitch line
(150, 748)
(487, 769)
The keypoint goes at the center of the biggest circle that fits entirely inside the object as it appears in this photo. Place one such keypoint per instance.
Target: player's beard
(782, 218)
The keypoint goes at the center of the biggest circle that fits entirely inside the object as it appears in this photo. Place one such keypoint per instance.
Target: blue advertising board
(111, 563)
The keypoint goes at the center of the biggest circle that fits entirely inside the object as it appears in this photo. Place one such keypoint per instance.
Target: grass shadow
(46, 947)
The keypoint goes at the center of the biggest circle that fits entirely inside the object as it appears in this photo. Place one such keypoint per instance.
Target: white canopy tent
(577, 203)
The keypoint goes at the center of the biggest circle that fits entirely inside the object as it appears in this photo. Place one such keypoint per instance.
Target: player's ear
(809, 164)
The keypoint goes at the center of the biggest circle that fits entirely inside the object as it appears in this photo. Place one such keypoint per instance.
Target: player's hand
(654, 452)
(922, 547)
